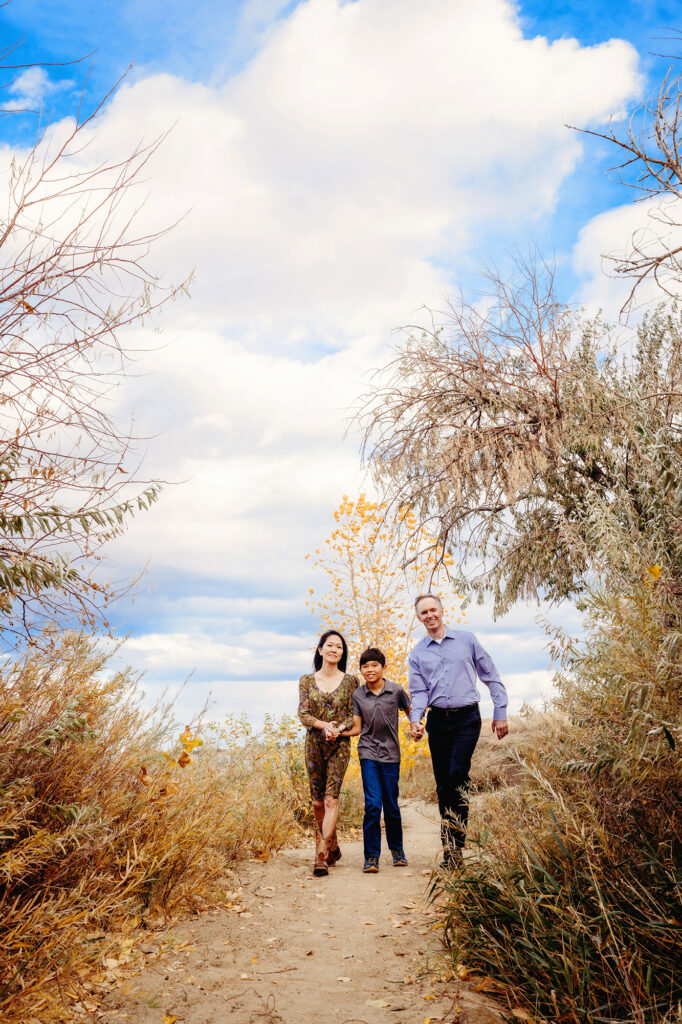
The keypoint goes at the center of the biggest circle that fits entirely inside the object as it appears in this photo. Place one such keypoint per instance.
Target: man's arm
(488, 674)
(420, 696)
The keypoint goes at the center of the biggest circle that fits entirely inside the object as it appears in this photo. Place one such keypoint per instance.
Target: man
(443, 668)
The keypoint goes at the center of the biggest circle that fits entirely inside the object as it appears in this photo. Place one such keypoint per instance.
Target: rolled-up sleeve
(418, 690)
(488, 674)
(304, 710)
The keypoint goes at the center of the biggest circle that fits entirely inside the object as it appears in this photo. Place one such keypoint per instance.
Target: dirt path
(295, 949)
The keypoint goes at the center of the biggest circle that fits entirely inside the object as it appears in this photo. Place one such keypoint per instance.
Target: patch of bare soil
(347, 949)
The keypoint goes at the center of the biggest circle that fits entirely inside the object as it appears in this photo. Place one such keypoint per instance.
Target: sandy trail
(296, 949)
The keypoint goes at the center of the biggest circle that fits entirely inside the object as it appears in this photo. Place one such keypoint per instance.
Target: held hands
(416, 730)
(330, 731)
(500, 729)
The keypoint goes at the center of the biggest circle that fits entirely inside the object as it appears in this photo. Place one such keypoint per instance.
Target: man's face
(430, 614)
(372, 671)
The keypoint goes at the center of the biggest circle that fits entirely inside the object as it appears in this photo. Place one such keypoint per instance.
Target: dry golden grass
(112, 817)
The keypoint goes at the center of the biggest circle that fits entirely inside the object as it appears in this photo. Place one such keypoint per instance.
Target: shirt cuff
(500, 715)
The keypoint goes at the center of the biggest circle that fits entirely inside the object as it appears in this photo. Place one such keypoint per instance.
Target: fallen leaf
(522, 1015)
(168, 1018)
(489, 985)
(344, 980)
(462, 971)
(311, 952)
(430, 996)
(376, 1002)
(244, 977)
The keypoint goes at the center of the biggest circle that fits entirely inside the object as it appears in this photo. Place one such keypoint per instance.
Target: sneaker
(399, 859)
(371, 865)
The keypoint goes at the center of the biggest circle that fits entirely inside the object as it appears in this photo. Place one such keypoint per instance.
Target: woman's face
(332, 649)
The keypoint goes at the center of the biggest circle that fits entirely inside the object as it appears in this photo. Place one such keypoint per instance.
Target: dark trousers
(453, 736)
(380, 783)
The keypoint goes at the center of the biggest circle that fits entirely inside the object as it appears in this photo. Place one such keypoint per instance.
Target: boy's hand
(417, 730)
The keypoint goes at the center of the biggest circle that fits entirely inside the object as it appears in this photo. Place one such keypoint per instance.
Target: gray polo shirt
(379, 713)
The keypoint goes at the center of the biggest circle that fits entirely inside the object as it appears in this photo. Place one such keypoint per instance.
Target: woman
(326, 710)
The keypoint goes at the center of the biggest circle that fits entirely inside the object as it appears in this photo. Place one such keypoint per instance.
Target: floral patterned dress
(326, 762)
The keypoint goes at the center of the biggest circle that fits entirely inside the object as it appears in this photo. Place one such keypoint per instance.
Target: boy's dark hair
(372, 654)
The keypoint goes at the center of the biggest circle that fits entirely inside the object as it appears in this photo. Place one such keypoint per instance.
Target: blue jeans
(380, 783)
(452, 738)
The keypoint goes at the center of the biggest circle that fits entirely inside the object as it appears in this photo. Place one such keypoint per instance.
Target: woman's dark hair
(317, 657)
(372, 654)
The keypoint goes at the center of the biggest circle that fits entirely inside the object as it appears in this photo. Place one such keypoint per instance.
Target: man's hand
(500, 728)
(416, 730)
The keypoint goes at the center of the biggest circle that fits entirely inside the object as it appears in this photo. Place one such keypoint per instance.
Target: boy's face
(372, 671)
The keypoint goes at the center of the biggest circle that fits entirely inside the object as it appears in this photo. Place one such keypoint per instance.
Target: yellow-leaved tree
(370, 590)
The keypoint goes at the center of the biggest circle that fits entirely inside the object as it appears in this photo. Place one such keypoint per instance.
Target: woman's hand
(330, 731)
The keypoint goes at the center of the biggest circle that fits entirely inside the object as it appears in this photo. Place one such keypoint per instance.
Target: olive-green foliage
(578, 907)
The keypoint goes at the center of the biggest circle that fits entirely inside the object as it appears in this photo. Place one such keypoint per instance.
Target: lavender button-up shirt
(443, 675)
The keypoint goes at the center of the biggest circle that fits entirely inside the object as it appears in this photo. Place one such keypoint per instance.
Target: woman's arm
(356, 728)
(305, 711)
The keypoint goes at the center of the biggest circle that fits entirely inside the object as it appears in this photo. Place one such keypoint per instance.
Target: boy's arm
(357, 727)
(404, 702)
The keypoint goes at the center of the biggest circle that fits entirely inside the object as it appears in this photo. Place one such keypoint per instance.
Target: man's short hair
(372, 654)
(422, 597)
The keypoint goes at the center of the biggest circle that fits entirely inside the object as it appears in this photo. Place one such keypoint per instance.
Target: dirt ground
(347, 949)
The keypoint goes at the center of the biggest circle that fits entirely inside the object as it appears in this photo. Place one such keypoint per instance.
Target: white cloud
(330, 190)
(31, 88)
(610, 235)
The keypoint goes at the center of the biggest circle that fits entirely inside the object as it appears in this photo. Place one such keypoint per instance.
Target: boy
(375, 721)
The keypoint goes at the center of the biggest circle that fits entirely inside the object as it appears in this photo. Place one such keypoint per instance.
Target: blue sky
(339, 165)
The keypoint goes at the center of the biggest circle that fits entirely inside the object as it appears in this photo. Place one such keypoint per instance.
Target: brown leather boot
(334, 850)
(321, 866)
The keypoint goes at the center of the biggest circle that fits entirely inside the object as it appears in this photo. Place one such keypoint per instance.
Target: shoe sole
(399, 863)
(370, 871)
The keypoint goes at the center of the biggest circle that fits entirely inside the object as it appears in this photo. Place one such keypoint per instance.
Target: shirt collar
(449, 632)
(388, 686)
